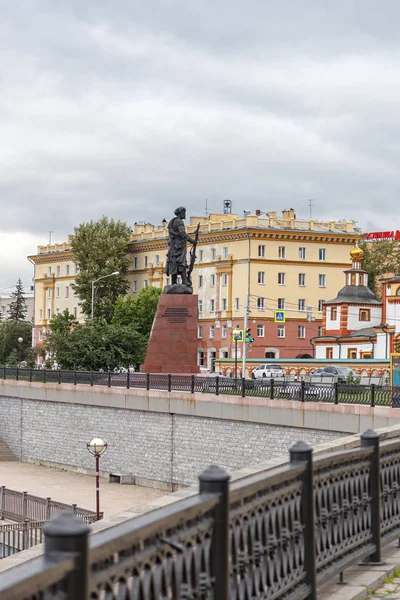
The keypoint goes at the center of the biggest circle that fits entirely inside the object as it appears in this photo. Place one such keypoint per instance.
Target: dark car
(332, 373)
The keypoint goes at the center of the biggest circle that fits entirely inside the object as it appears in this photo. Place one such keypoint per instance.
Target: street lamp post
(97, 447)
(20, 340)
(235, 334)
(95, 281)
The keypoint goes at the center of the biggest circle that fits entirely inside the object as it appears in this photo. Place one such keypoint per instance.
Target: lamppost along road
(95, 281)
(97, 447)
(20, 340)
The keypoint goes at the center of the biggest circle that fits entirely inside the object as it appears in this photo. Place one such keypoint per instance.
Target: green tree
(139, 311)
(18, 308)
(10, 331)
(100, 248)
(63, 322)
(12, 359)
(380, 258)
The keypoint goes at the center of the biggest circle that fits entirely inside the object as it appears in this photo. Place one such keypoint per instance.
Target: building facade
(5, 301)
(281, 262)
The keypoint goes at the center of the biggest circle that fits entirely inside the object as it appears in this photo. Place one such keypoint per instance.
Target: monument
(173, 340)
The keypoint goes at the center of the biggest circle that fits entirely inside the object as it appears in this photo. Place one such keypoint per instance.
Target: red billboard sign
(383, 235)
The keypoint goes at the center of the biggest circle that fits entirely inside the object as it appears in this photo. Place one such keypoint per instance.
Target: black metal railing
(276, 534)
(285, 388)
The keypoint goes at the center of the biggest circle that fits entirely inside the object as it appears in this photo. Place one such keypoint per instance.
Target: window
(67, 269)
(301, 332)
(212, 305)
(282, 251)
(223, 331)
(75, 312)
(212, 331)
(200, 358)
(322, 280)
(260, 330)
(333, 313)
(146, 262)
(157, 259)
(261, 251)
(200, 331)
(58, 270)
(281, 303)
(40, 312)
(366, 355)
(321, 305)
(40, 336)
(225, 252)
(224, 304)
(135, 286)
(365, 314)
(57, 292)
(201, 253)
(48, 313)
(281, 331)
(213, 253)
(67, 291)
(302, 279)
(200, 306)
(351, 352)
(200, 281)
(135, 262)
(225, 279)
(329, 353)
(49, 292)
(270, 354)
(237, 304)
(261, 277)
(302, 253)
(49, 271)
(322, 254)
(57, 311)
(146, 283)
(301, 305)
(320, 330)
(260, 303)
(281, 278)
(212, 279)
(76, 267)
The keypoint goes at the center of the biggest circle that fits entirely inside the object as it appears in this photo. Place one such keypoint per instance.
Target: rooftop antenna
(311, 204)
(50, 232)
(206, 207)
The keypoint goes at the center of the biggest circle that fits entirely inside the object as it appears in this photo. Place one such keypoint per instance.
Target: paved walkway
(388, 590)
(73, 488)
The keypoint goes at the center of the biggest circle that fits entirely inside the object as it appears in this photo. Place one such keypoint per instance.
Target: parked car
(332, 373)
(267, 372)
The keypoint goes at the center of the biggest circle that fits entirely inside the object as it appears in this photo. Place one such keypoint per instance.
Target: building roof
(395, 279)
(365, 332)
(358, 294)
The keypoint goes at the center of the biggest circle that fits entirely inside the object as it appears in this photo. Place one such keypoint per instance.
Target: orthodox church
(355, 323)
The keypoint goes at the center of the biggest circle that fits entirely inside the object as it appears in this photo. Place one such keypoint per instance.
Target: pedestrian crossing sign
(279, 316)
(237, 335)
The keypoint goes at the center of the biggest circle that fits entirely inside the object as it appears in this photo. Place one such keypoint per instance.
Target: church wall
(353, 320)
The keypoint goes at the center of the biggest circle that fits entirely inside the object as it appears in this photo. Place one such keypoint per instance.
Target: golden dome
(357, 254)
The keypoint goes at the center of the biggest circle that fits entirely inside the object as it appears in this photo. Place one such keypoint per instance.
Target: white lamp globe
(97, 446)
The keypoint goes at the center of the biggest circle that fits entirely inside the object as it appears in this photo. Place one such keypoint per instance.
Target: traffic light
(248, 335)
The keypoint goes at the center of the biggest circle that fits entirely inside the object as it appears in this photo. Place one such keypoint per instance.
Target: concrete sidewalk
(73, 488)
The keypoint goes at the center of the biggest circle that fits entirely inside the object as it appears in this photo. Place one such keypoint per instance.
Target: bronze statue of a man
(176, 263)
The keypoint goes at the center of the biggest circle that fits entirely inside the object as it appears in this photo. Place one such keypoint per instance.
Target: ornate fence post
(336, 389)
(44, 376)
(302, 390)
(24, 504)
(243, 387)
(64, 535)
(147, 381)
(217, 385)
(272, 388)
(109, 378)
(128, 383)
(2, 501)
(30, 374)
(169, 382)
(370, 439)
(192, 380)
(301, 452)
(216, 481)
(91, 378)
(17, 375)
(25, 535)
(373, 394)
(59, 375)
(48, 501)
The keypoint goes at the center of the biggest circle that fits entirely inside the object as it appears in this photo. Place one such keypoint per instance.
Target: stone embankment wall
(165, 440)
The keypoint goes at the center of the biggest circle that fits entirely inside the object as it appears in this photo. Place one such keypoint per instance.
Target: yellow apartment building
(283, 263)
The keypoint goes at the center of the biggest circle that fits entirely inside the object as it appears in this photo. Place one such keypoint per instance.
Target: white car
(267, 372)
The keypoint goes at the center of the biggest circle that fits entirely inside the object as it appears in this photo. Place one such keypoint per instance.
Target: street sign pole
(236, 358)
(245, 326)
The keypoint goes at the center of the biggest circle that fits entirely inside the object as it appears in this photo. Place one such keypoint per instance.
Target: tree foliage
(380, 258)
(139, 311)
(100, 248)
(63, 322)
(10, 331)
(18, 308)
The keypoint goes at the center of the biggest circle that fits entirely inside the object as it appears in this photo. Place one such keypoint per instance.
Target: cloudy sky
(129, 108)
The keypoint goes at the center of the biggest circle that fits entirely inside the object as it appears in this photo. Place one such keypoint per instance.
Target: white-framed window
(261, 277)
(212, 279)
(58, 270)
(281, 303)
(320, 330)
(301, 304)
(40, 336)
(200, 306)
(322, 254)
(67, 269)
(225, 252)
(261, 251)
(302, 279)
(146, 283)
(322, 280)
(157, 259)
(75, 312)
(212, 305)
(321, 305)
(260, 330)
(40, 312)
(281, 331)
(225, 279)
(223, 331)
(200, 357)
(200, 331)
(49, 271)
(49, 292)
(57, 292)
(200, 281)
(135, 259)
(201, 255)
(301, 332)
(146, 262)
(237, 304)
(135, 286)
(302, 253)
(67, 291)
(281, 278)
(224, 304)
(212, 331)
(260, 303)
(213, 254)
(48, 313)
(76, 268)
(282, 252)
(57, 311)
